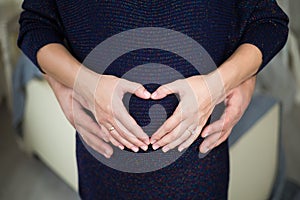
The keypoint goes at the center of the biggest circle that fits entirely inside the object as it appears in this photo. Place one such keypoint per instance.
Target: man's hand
(236, 103)
(102, 95)
(91, 132)
(198, 97)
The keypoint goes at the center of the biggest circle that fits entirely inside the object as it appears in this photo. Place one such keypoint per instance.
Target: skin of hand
(186, 123)
(92, 133)
(198, 97)
(101, 94)
(236, 103)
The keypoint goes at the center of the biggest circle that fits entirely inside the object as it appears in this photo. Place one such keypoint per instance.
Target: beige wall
(4, 1)
(295, 16)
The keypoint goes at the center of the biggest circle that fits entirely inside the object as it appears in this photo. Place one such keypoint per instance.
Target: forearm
(56, 61)
(241, 66)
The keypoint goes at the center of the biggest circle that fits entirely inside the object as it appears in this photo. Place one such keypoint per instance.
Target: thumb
(165, 90)
(138, 89)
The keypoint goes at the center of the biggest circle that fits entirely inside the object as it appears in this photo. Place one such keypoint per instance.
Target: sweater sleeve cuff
(33, 41)
(262, 36)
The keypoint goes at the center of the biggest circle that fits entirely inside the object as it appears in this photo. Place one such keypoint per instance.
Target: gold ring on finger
(111, 129)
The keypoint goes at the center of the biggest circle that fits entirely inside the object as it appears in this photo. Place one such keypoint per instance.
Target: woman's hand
(102, 95)
(198, 97)
(236, 103)
(182, 128)
(91, 132)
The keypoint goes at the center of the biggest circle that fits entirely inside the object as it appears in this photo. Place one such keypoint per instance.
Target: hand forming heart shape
(103, 94)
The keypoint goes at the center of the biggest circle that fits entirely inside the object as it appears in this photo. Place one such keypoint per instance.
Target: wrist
(85, 83)
(215, 85)
(56, 61)
(229, 75)
(240, 66)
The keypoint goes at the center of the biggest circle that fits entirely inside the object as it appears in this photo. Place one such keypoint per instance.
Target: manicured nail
(165, 149)
(155, 146)
(154, 95)
(144, 147)
(135, 149)
(180, 149)
(106, 156)
(205, 150)
(147, 94)
(121, 147)
(106, 139)
(152, 141)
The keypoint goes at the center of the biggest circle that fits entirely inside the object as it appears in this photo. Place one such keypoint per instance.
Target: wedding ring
(111, 129)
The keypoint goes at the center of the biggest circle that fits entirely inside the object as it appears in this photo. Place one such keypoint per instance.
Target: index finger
(171, 123)
(129, 123)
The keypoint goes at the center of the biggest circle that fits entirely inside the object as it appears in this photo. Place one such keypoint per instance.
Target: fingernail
(180, 149)
(204, 135)
(155, 146)
(135, 149)
(154, 95)
(106, 139)
(106, 156)
(121, 147)
(147, 94)
(144, 147)
(165, 149)
(152, 141)
(205, 150)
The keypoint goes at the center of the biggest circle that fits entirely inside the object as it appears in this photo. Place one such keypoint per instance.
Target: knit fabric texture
(220, 26)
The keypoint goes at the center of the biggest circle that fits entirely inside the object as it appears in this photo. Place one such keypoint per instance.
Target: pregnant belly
(150, 114)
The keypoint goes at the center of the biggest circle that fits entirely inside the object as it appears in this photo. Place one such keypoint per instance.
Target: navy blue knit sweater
(220, 26)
